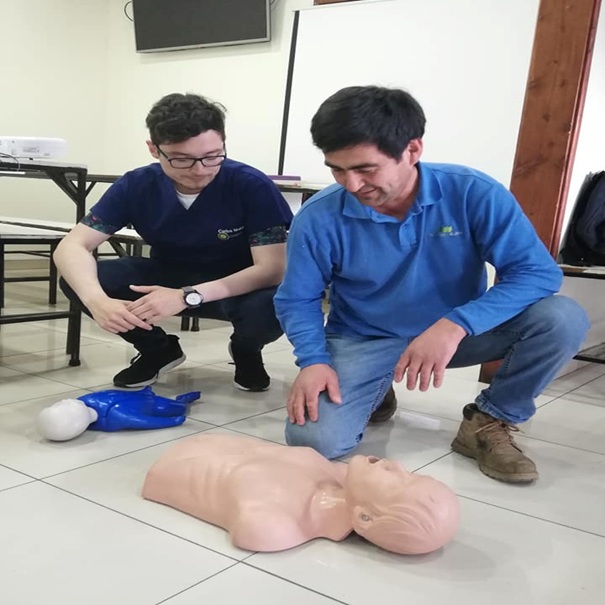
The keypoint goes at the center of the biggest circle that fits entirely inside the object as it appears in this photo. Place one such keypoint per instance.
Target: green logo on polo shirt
(225, 234)
(445, 231)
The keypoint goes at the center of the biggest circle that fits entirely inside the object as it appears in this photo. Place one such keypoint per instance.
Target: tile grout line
(245, 562)
(180, 592)
(141, 521)
(511, 510)
(141, 449)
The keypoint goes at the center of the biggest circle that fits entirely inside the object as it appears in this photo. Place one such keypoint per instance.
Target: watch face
(193, 298)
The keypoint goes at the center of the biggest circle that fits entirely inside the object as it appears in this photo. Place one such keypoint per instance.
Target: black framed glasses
(210, 161)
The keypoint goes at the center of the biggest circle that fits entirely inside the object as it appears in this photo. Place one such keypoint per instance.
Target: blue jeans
(534, 346)
(252, 315)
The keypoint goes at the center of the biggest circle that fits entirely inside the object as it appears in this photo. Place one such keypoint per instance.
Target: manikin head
(65, 420)
(399, 511)
(187, 136)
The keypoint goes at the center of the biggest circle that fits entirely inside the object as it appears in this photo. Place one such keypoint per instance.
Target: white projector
(32, 147)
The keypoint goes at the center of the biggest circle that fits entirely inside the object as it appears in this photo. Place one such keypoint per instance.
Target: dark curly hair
(386, 117)
(178, 117)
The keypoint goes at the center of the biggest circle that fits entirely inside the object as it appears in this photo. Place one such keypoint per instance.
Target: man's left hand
(157, 303)
(428, 355)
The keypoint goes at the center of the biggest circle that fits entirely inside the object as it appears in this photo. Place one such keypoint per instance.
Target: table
(596, 353)
(305, 188)
(70, 178)
(77, 183)
(123, 236)
(17, 234)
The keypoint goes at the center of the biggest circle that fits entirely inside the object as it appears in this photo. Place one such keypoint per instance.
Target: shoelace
(500, 432)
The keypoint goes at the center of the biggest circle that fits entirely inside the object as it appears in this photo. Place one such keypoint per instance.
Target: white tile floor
(74, 529)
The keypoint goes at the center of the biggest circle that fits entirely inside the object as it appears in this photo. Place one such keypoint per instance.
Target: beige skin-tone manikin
(271, 497)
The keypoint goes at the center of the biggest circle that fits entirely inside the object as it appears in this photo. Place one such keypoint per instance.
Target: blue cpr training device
(138, 410)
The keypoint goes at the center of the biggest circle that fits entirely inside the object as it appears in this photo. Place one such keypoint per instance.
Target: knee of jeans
(316, 436)
(564, 316)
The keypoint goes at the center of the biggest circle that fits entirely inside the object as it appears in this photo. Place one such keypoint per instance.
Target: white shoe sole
(166, 368)
(242, 388)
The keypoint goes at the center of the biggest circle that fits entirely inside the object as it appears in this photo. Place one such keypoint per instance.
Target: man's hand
(309, 383)
(158, 302)
(428, 355)
(113, 315)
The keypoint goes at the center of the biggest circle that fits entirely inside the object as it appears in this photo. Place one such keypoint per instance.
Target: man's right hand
(113, 315)
(309, 383)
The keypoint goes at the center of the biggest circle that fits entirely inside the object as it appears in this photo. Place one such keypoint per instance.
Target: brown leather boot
(386, 409)
(491, 443)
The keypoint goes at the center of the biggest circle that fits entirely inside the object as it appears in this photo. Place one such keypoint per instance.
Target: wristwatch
(192, 297)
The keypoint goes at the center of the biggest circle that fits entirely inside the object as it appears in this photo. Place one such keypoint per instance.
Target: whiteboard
(465, 61)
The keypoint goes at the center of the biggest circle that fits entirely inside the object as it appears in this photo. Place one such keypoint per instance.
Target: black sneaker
(386, 409)
(146, 368)
(250, 372)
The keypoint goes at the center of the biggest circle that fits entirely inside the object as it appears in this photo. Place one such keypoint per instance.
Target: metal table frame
(596, 353)
(70, 178)
(73, 315)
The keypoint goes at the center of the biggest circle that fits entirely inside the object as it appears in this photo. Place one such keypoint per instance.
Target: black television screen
(161, 25)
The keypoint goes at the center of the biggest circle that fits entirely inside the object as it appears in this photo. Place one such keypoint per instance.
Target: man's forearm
(244, 281)
(303, 324)
(79, 269)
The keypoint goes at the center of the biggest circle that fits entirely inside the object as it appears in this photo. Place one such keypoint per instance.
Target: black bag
(585, 240)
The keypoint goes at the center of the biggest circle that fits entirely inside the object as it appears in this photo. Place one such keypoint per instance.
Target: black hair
(386, 117)
(177, 117)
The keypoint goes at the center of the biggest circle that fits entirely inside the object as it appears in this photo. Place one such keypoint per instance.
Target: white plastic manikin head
(65, 420)
(397, 510)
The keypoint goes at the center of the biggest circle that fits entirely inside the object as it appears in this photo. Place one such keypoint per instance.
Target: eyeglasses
(209, 161)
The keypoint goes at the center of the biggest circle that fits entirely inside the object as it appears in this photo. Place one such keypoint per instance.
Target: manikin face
(385, 184)
(369, 476)
(397, 510)
(190, 180)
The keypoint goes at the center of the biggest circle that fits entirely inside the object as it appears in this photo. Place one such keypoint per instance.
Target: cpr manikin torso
(272, 497)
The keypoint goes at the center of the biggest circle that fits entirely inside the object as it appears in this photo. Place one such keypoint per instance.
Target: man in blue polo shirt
(403, 246)
(217, 230)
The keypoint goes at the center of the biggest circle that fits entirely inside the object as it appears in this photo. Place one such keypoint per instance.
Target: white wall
(449, 55)
(74, 73)
(54, 71)
(249, 80)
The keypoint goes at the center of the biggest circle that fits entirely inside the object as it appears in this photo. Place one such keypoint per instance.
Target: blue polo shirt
(396, 278)
(214, 232)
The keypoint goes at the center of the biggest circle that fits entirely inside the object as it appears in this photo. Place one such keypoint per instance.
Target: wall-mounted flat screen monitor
(162, 25)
